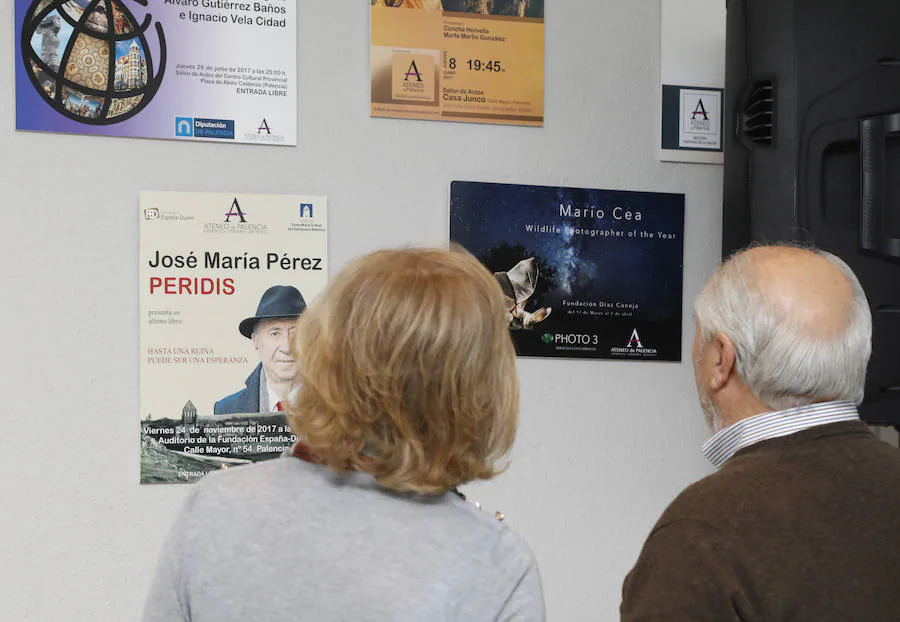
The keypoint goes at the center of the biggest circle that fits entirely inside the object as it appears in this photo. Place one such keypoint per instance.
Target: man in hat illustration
(271, 330)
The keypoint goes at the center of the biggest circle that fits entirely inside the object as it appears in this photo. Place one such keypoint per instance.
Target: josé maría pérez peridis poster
(223, 280)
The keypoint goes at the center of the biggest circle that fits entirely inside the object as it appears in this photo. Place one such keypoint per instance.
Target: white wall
(603, 446)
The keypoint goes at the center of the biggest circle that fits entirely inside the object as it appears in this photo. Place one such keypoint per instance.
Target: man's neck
(279, 388)
(736, 416)
(738, 404)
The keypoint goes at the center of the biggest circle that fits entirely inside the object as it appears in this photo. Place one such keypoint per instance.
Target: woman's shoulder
(254, 482)
(289, 485)
(493, 528)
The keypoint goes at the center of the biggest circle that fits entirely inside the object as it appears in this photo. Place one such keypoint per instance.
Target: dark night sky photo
(645, 271)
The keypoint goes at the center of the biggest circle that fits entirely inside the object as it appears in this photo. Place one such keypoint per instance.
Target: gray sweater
(289, 540)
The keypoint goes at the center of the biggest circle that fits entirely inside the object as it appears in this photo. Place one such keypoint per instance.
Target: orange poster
(476, 61)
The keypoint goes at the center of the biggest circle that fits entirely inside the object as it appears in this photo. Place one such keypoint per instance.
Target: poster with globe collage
(211, 71)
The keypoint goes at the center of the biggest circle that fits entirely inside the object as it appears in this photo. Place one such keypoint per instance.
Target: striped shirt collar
(724, 444)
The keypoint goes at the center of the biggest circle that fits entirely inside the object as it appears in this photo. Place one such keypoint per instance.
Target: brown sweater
(800, 528)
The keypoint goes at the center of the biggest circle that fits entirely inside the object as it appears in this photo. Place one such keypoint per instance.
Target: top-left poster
(209, 70)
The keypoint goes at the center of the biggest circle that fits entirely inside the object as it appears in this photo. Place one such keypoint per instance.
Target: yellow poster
(476, 61)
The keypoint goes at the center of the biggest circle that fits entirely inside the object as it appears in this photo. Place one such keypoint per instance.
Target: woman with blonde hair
(408, 389)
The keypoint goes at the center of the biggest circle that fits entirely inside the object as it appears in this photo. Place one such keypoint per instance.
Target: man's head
(779, 327)
(271, 330)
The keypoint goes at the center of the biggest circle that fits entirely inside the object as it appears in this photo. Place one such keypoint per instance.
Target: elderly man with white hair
(801, 520)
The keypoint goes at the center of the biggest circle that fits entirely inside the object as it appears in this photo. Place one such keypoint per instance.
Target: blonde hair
(408, 372)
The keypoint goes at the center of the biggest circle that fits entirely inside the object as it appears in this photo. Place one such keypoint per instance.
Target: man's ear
(724, 358)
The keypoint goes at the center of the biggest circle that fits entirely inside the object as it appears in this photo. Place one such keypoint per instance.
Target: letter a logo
(700, 110)
(635, 341)
(263, 126)
(235, 211)
(412, 71)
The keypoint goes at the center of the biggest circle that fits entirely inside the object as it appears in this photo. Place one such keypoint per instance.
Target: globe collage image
(90, 59)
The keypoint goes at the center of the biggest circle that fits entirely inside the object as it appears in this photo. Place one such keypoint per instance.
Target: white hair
(782, 362)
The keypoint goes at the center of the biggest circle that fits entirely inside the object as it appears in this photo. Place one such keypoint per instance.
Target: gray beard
(710, 412)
